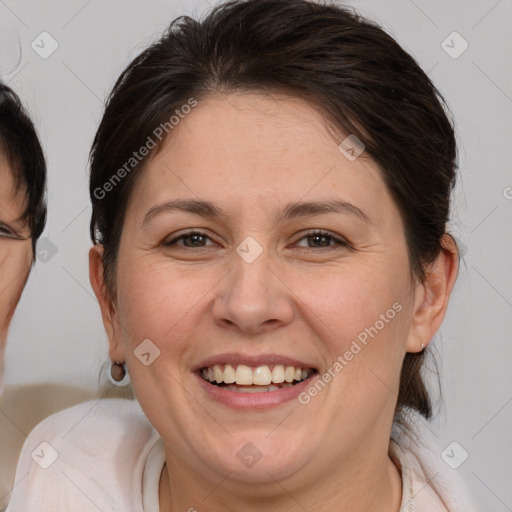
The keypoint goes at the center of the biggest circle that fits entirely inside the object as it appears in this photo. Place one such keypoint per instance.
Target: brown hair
(21, 147)
(326, 54)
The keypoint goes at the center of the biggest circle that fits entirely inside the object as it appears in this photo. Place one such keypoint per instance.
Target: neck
(355, 487)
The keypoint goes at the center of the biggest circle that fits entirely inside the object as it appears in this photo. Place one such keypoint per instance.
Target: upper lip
(236, 359)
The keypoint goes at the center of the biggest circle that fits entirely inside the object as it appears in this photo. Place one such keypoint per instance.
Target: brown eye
(322, 239)
(191, 239)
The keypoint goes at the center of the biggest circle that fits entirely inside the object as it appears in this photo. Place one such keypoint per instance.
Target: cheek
(360, 319)
(345, 304)
(164, 304)
(14, 270)
(161, 303)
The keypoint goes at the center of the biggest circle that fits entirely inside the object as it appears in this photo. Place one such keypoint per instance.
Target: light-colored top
(23, 406)
(104, 455)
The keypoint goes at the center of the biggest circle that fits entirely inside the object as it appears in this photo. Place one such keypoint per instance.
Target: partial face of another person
(251, 276)
(15, 251)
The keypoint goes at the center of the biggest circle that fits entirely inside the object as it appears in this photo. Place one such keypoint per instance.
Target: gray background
(57, 333)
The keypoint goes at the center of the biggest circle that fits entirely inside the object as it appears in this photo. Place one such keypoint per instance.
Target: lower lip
(259, 400)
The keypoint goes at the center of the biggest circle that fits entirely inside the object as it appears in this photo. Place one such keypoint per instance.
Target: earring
(117, 374)
(422, 346)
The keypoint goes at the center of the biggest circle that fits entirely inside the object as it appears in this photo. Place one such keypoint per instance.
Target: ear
(106, 302)
(431, 296)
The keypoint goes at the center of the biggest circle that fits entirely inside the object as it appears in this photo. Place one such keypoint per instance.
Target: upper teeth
(261, 375)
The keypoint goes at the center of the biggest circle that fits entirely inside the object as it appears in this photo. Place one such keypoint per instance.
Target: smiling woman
(269, 275)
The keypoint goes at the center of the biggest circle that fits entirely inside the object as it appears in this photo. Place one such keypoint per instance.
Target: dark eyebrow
(203, 208)
(306, 209)
(291, 211)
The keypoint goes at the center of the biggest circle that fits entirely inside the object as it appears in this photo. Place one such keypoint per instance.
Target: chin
(263, 460)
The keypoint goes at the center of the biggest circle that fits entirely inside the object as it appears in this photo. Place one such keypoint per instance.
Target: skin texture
(15, 252)
(252, 154)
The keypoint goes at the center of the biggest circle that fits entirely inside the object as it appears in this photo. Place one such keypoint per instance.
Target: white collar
(151, 477)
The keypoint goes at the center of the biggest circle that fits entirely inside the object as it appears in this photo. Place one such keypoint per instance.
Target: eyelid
(11, 234)
(184, 234)
(323, 232)
(339, 241)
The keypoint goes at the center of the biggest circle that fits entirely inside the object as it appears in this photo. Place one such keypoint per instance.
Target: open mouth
(246, 379)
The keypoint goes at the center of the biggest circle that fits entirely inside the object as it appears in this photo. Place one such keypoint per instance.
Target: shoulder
(95, 427)
(428, 483)
(23, 407)
(85, 457)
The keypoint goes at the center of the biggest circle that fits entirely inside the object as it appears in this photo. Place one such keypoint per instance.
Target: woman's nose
(253, 297)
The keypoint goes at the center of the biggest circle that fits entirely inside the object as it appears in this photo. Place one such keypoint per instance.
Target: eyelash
(318, 232)
(6, 232)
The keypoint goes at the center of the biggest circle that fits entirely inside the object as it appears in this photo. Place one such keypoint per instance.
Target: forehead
(254, 150)
(275, 125)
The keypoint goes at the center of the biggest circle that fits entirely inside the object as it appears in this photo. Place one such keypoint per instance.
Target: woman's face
(255, 287)
(15, 252)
